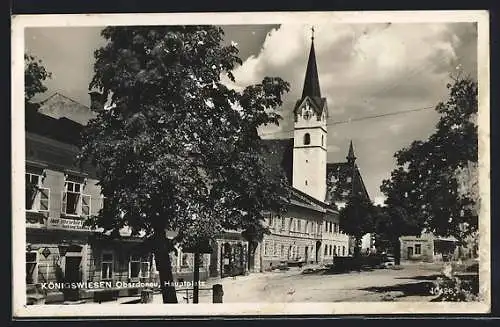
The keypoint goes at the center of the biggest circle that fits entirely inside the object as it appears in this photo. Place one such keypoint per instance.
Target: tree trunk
(357, 252)
(396, 246)
(357, 247)
(164, 266)
(252, 246)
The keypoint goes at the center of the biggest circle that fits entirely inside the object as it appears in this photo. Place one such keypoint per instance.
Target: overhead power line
(401, 112)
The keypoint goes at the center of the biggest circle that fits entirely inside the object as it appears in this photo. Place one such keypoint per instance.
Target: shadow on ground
(335, 271)
(407, 289)
(423, 277)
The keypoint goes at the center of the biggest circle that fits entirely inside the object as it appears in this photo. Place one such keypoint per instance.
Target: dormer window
(307, 139)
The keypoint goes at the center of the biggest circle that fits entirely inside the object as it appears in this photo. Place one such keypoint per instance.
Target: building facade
(430, 248)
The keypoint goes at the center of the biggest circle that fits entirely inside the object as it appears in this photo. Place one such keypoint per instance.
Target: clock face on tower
(307, 112)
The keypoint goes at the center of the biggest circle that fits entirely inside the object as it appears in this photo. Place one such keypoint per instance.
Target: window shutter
(31, 193)
(44, 199)
(85, 205)
(77, 204)
(63, 202)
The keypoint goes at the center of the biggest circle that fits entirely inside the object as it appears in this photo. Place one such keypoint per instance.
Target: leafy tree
(426, 188)
(178, 150)
(356, 219)
(34, 76)
(390, 223)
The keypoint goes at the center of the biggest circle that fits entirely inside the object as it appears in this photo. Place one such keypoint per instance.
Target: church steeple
(311, 81)
(350, 155)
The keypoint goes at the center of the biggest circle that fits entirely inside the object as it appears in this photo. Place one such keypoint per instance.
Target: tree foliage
(178, 150)
(425, 188)
(356, 218)
(34, 76)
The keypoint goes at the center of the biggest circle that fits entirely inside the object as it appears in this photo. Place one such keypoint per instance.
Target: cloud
(365, 70)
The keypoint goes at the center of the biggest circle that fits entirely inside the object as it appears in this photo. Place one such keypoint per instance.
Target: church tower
(310, 134)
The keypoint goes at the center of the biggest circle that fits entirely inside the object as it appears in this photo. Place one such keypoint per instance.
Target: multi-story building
(60, 197)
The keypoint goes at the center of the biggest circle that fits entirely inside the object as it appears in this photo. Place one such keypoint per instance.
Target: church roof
(342, 179)
(280, 156)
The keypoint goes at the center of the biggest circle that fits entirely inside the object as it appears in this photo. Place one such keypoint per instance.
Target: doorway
(318, 249)
(410, 252)
(72, 274)
(306, 254)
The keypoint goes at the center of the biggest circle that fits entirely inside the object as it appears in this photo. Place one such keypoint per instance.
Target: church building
(309, 232)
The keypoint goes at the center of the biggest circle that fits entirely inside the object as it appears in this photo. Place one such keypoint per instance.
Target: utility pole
(196, 276)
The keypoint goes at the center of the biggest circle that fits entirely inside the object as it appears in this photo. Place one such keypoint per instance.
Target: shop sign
(67, 224)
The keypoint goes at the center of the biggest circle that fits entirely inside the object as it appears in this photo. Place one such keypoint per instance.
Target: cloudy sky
(365, 70)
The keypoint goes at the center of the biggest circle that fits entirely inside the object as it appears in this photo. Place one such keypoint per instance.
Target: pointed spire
(350, 155)
(311, 81)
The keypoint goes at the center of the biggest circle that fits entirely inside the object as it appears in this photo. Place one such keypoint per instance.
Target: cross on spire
(312, 32)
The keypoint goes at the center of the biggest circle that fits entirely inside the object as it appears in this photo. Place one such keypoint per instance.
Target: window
(283, 223)
(107, 266)
(326, 226)
(275, 249)
(418, 249)
(282, 252)
(267, 248)
(322, 140)
(31, 267)
(343, 250)
(298, 226)
(334, 250)
(330, 226)
(307, 139)
(138, 267)
(292, 225)
(330, 250)
(74, 202)
(37, 197)
(326, 249)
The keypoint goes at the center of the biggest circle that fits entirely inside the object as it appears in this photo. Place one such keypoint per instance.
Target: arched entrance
(318, 249)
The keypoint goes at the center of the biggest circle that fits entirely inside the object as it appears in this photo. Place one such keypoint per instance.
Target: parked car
(388, 261)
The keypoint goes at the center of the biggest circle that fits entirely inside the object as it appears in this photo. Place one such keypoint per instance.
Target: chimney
(97, 101)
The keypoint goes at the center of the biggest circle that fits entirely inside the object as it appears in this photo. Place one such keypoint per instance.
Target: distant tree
(178, 150)
(34, 76)
(390, 223)
(427, 187)
(356, 219)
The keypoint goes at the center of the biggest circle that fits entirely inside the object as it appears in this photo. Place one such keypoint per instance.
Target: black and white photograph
(250, 163)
